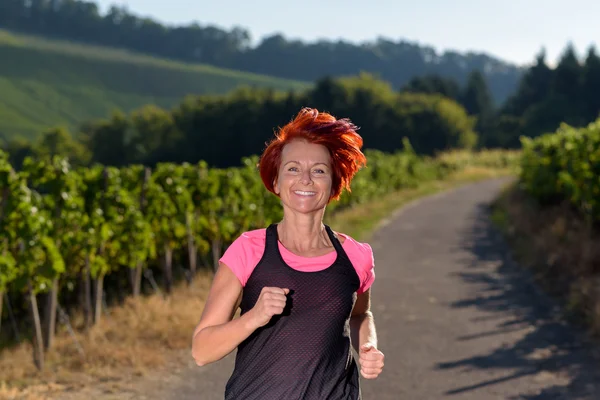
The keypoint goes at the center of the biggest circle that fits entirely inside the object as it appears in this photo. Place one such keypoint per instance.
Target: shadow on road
(546, 347)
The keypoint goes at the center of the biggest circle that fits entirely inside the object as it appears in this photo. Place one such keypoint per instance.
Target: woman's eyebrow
(317, 163)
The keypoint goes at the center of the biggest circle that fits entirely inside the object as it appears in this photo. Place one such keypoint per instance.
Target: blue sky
(513, 30)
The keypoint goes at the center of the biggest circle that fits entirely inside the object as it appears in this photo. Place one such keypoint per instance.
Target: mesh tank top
(304, 353)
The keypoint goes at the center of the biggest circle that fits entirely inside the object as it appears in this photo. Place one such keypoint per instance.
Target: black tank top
(304, 353)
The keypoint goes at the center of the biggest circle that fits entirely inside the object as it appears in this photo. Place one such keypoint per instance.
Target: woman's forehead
(305, 151)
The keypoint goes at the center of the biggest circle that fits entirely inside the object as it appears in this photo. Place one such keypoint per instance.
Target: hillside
(393, 59)
(46, 83)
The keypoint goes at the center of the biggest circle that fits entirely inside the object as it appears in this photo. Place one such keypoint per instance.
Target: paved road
(456, 318)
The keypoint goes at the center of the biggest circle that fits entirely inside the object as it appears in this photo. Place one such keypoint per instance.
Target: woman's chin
(306, 207)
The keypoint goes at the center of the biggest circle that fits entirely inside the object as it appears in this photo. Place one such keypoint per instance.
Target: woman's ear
(275, 186)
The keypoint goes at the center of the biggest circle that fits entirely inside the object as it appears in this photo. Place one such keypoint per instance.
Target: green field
(47, 83)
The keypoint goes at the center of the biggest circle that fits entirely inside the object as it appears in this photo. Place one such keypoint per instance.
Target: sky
(512, 30)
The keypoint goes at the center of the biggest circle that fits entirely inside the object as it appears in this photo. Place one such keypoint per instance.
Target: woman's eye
(319, 171)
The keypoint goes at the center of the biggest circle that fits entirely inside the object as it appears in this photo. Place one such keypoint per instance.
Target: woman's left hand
(370, 360)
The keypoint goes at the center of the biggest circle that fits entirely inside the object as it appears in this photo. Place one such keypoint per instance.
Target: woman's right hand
(218, 332)
(271, 301)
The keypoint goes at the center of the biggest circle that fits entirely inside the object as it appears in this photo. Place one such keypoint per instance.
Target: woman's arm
(362, 323)
(364, 337)
(218, 334)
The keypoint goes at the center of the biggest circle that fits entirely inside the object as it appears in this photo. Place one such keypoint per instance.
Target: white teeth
(301, 193)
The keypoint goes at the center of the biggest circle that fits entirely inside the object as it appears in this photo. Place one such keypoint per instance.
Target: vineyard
(80, 238)
(565, 165)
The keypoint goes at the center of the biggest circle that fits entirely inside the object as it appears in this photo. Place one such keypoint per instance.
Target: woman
(303, 290)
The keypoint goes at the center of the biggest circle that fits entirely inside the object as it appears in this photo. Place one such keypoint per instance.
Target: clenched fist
(271, 301)
(371, 361)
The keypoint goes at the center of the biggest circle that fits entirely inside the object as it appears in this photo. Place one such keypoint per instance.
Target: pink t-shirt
(246, 251)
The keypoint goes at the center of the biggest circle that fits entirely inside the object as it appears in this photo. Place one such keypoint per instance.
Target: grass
(144, 335)
(559, 248)
(361, 221)
(45, 83)
(490, 158)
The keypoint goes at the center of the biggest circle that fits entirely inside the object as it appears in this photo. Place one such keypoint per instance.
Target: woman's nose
(306, 178)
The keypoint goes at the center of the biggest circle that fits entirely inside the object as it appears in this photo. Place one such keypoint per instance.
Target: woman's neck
(303, 233)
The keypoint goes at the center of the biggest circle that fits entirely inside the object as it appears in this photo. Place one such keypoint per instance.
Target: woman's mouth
(304, 193)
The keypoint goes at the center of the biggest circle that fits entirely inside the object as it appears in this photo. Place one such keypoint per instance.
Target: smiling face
(305, 176)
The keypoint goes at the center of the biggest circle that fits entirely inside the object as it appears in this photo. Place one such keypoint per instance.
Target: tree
(433, 84)
(476, 97)
(591, 85)
(478, 102)
(533, 87)
(567, 75)
(59, 142)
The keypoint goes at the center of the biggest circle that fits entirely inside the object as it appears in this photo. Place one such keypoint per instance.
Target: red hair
(338, 135)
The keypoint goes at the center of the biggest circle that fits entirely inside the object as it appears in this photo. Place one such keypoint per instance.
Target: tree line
(393, 61)
(545, 97)
(222, 129)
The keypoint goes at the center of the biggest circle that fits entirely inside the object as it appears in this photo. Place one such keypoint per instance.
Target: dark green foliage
(547, 97)
(222, 130)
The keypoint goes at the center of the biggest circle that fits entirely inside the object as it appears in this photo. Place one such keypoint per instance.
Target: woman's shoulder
(244, 252)
(361, 257)
(360, 249)
(254, 237)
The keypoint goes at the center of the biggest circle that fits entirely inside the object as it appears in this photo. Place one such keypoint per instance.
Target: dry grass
(560, 248)
(144, 335)
(492, 158)
(132, 340)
